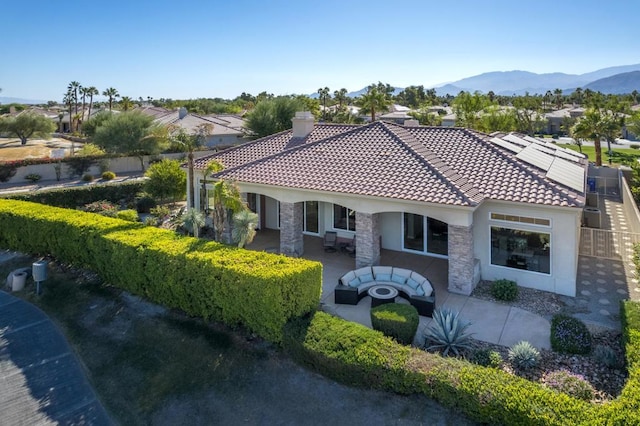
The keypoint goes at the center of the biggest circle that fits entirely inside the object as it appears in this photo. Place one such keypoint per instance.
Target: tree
(166, 181)
(84, 92)
(324, 94)
(467, 107)
(244, 227)
(126, 103)
(596, 124)
(131, 133)
(112, 94)
(373, 101)
(91, 125)
(529, 118)
(633, 124)
(68, 101)
(189, 143)
(26, 125)
(226, 197)
(273, 116)
(494, 119)
(341, 97)
(91, 91)
(73, 89)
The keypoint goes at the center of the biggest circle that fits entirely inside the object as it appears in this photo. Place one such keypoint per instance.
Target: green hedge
(353, 354)
(76, 196)
(259, 290)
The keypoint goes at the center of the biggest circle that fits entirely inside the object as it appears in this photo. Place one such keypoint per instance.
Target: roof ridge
(440, 168)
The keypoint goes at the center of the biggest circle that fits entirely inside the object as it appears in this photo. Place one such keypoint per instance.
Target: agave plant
(523, 355)
(193, 220)
(447, 332)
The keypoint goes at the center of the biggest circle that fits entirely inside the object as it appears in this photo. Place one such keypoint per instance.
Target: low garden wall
(258, 290)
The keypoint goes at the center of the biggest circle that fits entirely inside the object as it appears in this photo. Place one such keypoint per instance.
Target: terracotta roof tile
(440, 165)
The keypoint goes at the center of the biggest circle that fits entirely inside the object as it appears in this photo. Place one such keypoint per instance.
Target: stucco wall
(564, 231)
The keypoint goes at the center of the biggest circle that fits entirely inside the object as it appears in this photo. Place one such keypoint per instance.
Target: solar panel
(567, 174)
(513, 138)
(546, 149)
(535, 157)
(530, 139)
(567, 155)
(508, 145)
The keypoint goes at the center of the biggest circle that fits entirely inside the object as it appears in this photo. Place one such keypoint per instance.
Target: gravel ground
(607, 381)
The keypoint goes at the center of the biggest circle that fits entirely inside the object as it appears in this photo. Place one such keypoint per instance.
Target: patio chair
(330, 241)
(350, 247)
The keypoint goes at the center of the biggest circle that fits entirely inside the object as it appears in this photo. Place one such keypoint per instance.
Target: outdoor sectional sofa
(354, 285)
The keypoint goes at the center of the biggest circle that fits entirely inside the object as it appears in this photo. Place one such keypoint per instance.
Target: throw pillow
(398, 279)
(420, 291)
(354, 282)
(413, 284)
(366, 278)
(383, 277)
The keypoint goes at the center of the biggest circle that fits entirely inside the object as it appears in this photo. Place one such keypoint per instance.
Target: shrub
(79, 165)
(102, 207)
(128, 215)
(87, 177)
(161, 212)
(145, 203)
(151, 221)
(569, 335)
(523, 356)
(569, 383)
(506, 290)
(447, 332)
(634, 146)
(396, 320)
(33, 177)
(7, 171)
(606, 355)
(486, 358)
(108, 175)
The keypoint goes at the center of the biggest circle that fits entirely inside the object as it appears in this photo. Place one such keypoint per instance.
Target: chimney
(411, 123)
(182, 113)
(302, 124)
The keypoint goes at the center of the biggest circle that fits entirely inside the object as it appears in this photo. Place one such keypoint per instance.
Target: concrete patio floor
(490, 322)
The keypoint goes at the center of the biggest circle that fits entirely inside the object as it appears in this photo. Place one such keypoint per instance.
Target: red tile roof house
(496, 206)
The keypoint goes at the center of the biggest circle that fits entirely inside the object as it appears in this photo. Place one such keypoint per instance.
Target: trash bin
(39, 270)
(18, 281)
(591, 183)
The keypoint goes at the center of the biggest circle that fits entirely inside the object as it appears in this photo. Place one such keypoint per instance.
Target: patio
(490, 322)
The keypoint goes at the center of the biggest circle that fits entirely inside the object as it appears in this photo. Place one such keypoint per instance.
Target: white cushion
(363, 271)
(428, 289)
(385, 270)
(346, 278)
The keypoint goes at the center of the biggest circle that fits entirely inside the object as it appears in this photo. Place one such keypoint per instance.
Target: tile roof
(443, 165)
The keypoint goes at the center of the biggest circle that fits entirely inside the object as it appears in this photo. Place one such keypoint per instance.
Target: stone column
(291, 226)
(461, 259)
(367, 239)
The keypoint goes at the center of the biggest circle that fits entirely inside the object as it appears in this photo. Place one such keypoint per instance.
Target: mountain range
(614, 80)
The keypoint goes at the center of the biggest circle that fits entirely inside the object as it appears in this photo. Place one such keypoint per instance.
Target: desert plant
(447, 332)
(606, 355)
(161, 212)
(151, 221)
(33, 177)
(103, 207)
(192, 220)
(87, 177)
(523, 356)
(569, 335)
(569, 383)
(244, 227)
(505, 290)
(486, 358)
(128, 215)
(108, 175)
(396, 320)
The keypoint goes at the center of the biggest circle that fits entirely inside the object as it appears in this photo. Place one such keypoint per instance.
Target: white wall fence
(604, 180)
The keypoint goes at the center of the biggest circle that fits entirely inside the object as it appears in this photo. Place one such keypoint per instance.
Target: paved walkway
(41, 381)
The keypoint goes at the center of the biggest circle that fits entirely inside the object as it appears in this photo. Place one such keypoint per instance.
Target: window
(521, 219)
(344, 218)
(311, 216)
(437, 239)
(519, 249)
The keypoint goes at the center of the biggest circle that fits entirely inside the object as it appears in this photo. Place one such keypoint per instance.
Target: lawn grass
(626, 156)
(137, 359)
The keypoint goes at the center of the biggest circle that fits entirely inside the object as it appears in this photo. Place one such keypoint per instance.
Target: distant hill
(7, 100)
(617, 84)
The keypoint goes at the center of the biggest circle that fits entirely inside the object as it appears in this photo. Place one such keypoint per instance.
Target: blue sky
(188, 49)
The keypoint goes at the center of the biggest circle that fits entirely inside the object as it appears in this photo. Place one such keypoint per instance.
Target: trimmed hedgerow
(259, 290)
(569, 335)
(396, 320)
(356, 355)
(77, 196)
(569, 383)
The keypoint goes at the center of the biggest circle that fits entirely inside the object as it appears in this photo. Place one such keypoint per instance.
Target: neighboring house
(226, 130)
(501, 206)
(557, 120)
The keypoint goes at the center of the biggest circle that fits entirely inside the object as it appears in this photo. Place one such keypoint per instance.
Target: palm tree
(546, 99)
(91, 91)
(226, 197)
(324, 94)
(68, 101)
(126, 103)
(373, 101)
(73, 87)
(60, 117)
(111, 93)
(84, 91)
(558, 98)
(189, 143)
(595, 125)
(578, 93)
(341, 97)
(244, 227)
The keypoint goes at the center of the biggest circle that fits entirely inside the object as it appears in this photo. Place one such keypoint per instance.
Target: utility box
(39, 270)
(593, 199)
(592, 217)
